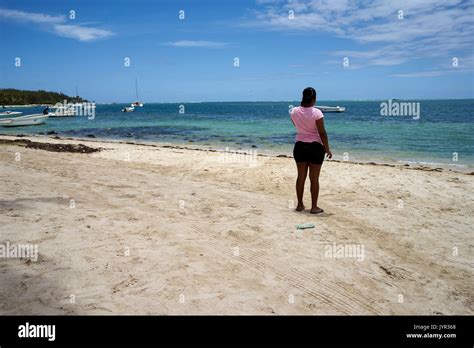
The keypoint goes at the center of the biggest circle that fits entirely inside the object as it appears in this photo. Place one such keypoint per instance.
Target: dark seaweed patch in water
(135, 132)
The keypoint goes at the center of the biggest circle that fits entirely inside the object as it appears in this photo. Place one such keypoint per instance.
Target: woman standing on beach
(311, 145)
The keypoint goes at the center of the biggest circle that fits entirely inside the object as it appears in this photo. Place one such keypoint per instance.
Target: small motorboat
(27, 120)
(9, 113)
(331, 108)
(128, 109)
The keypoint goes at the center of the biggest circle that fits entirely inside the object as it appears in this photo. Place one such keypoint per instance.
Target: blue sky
(390, 54)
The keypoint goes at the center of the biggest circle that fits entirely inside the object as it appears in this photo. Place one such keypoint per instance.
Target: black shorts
(309, 152)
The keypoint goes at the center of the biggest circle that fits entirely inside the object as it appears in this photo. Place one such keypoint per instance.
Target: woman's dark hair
(309, 93)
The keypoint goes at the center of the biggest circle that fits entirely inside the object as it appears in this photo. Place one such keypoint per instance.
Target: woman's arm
(324, 136)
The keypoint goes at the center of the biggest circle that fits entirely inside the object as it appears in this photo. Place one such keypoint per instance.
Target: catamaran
(27, 120)
(331, 108)
(62, 111)
(82, 105)
(136, 103)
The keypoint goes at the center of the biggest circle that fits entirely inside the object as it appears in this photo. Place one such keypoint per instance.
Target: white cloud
(81, 33)
(56, 25)
(464, 64)
(39, 18)
(429, 28)
(431, 73)
(266, 2)
(198, 43)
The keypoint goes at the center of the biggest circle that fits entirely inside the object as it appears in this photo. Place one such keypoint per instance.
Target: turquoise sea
(442, 136)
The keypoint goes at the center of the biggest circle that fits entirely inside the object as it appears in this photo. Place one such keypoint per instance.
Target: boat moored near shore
(27, 120)
(331, 108)
(9, 113)
(62, 112)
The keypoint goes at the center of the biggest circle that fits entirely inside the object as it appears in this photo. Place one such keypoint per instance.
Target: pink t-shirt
(305, 122)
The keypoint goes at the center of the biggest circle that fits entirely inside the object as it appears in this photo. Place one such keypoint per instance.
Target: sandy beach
(134, 229)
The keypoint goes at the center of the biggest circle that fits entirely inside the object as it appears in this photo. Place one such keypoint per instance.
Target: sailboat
(136, 103)
(82, 104)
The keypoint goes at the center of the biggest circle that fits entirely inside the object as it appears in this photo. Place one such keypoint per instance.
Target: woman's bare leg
(314, 170)
(302, 173)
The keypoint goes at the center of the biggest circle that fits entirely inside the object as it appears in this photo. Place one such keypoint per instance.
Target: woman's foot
(316, 210)
(300, 207)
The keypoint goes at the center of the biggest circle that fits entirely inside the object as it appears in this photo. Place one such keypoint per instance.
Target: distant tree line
(10, 96)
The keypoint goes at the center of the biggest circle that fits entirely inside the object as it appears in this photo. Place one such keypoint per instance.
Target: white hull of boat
(62, 112)
(128, 109)
(331, 108)
(137, 104)
(28, 120)
(83, 105)
(9, 113)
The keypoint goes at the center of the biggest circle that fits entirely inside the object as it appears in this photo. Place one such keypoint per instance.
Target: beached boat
(331, 108)
(128, 109)
(27, 120)
(9, 113)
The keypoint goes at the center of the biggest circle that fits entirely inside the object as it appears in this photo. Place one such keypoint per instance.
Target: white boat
(128, 109)
(137, 103)
(8, 113)
(62, 112)
(27, 120)
(83, 105)
(331, 108)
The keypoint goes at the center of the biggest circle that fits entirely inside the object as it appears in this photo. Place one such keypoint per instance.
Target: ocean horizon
(285, 101)
(440, 136)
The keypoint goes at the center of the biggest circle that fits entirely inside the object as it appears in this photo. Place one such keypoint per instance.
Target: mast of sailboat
(136, 88)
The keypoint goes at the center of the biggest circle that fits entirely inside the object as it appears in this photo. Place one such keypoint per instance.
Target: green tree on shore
(10, 96)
